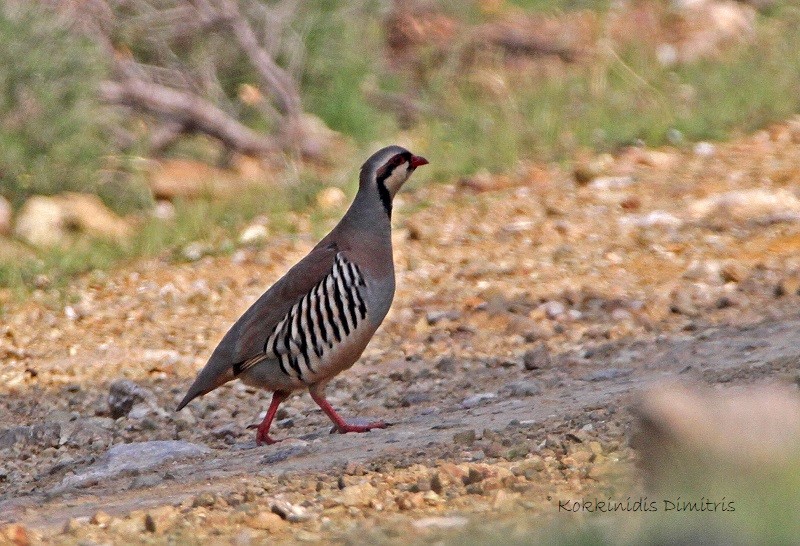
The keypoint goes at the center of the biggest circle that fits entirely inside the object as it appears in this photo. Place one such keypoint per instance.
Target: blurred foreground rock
(48, 220)
(750, 428)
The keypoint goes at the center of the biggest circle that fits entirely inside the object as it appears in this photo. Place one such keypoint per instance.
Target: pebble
(611, 182)
(288, 511)
(464, 437)
(204, 500)
(194, 251)
(537, 358)
(253, 234)
(554, 309)
(44, 435)
(704, 149)
(266, 521)
(123, 394)
(358, 495)
(477, 399)
(523, 388)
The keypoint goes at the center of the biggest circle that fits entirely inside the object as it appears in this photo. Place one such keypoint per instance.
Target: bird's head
(387, 170)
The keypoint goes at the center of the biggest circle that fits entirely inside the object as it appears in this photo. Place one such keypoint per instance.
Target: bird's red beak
(418, 160)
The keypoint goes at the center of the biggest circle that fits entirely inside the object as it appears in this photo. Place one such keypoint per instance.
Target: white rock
(253, 233)
(757, 205)
(40, 222)
(5, 216)
(164, 210)
(656, 218)
(194, 251)
(477, 399)
(704, 149)
(611, 182)
(554, 309)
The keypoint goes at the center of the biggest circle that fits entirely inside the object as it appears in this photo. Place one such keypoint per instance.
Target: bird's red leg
(262, 435)
(340, 423)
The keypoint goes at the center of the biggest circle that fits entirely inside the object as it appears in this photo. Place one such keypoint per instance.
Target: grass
(626, 98)
(483, 117)
(213, 222)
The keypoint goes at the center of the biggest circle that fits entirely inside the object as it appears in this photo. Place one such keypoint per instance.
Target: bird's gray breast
(323, 333)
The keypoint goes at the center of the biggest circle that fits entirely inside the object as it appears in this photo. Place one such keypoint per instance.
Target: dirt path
(529, 315)
(574, 391)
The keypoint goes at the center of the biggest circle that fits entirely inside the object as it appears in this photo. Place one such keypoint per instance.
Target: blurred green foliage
(54, 133)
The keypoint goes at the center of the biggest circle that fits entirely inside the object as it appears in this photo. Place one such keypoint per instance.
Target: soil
(533, 310)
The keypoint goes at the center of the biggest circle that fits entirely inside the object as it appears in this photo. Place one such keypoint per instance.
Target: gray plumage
(317, 319)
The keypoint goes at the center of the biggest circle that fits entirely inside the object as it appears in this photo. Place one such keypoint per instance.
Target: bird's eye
(398, 160)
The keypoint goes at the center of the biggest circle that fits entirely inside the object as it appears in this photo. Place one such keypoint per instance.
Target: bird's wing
(246, 338)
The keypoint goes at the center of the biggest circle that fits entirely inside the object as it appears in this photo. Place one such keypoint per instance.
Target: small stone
(611, 182)
(266, 521)
(537, 358)
(436, 484)
(409, 501)
(434, 317)
(288, 511)
(123, 394)
(587, 170)
(523, 388)
(464, 437)
(253, 234)
(704, 149)
(475, 489)
(477, 399)
(554, 309)
(204, 500)
(100, 518)
(474, 476)
(358, 495)
(164, 210)
(788, 286)
(43, 435)
(72, 525)
(194, 251)
(446, 364)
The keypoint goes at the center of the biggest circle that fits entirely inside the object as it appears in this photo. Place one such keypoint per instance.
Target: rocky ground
(533, 310)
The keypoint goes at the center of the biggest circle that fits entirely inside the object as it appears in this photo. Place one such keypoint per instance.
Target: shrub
(54, 133)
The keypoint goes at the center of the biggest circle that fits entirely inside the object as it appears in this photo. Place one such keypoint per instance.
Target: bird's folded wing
(246, 338)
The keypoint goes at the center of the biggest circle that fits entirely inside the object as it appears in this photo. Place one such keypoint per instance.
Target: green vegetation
(54, 135)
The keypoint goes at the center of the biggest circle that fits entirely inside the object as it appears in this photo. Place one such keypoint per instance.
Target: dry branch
(152, 74)
(191, 111)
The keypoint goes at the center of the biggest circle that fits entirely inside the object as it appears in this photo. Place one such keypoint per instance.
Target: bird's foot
(263, 437)
(345, 427)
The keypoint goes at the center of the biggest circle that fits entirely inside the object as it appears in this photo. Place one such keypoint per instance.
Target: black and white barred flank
(326, 316)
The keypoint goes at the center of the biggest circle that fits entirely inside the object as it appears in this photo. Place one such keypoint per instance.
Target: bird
(316, 320)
